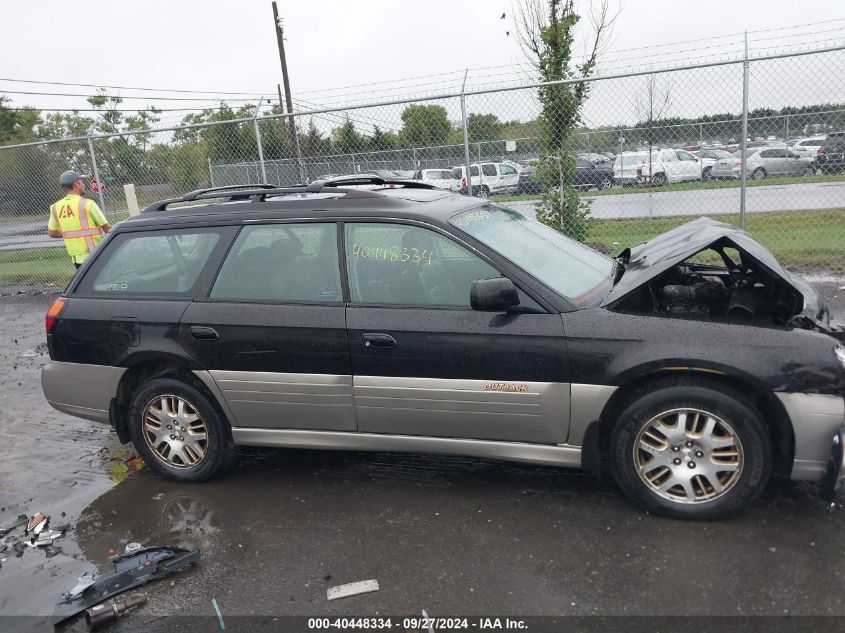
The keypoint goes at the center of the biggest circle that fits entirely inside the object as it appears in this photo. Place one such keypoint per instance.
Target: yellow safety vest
(71, 214)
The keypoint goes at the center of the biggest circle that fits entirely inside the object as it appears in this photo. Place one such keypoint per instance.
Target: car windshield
(579, 273)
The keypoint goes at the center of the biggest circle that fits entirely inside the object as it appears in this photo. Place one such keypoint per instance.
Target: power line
(82, 85)
(84, 96)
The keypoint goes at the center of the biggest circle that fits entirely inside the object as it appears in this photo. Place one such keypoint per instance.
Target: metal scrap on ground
(352, 589)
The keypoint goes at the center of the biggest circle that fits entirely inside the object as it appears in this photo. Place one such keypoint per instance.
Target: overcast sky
(231, 46)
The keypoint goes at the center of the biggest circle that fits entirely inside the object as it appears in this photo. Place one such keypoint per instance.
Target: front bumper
(835, 466)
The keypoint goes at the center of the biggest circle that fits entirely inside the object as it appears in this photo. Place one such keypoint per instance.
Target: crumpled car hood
(649, 259)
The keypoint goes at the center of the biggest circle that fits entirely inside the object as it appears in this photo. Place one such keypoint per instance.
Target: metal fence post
(258, 140)
(210, 172)
(96, 171)
(466, 136)
(744, 142)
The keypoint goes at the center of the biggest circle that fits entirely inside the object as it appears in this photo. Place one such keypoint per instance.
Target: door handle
(378, 340)
(201, 333)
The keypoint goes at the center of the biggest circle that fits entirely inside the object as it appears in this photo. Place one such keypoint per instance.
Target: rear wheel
(178, 430)
(758, 174)
(607, 183)
(689, 451)
(659, 179)
(707, 174)
(484, 192)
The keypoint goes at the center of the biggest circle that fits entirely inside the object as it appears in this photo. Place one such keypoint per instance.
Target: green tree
(424, 126)
(484, 127)
(17, 126)
(347, 140)
(382, 141)
(547, 32)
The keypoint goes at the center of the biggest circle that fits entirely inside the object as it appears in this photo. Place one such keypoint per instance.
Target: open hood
(648, 260)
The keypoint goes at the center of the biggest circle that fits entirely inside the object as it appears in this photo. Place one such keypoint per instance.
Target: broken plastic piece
(51, 551)
(132, 547)
(352, 589)
(129, 571)
(37, 523)
(109, 612)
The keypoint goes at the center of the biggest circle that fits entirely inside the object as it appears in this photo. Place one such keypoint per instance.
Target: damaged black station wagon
(407, 318)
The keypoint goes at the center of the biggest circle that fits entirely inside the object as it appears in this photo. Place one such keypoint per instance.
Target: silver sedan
(764, 162)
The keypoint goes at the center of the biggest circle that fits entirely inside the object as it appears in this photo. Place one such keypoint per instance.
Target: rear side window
(457, 173)
(282, 263)
(152, 263)
(488, 169)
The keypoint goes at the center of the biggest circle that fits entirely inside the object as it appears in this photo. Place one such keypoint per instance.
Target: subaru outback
(692, 366)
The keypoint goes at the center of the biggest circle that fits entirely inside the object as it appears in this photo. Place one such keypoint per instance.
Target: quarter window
(282, 263)
(395, 264)
(153, 263)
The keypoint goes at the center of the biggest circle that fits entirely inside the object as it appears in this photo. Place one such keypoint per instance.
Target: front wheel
(758, 174)
(707, 174)
(607, 183)
(178, 431)
(659, 180)
(691, 452)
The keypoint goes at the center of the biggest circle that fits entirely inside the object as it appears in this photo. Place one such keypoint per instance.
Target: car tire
(658, 180)
(718, 463)
(162, 403)
(758, 174)
(607, 183)
(484, 192)
(707, 175)
(811, 170)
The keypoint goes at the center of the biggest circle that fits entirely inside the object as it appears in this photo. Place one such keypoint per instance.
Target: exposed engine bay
(740, 290)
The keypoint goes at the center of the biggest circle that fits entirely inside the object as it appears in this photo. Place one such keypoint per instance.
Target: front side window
(396, 264)
(488, 169)
(153, 263)
(574, 270)
(282, 263)
(507, 170)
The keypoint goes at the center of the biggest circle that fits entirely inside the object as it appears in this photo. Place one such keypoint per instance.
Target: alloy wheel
(175, 432)
(688, 456)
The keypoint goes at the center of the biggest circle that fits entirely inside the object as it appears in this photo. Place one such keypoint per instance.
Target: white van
(495, 178)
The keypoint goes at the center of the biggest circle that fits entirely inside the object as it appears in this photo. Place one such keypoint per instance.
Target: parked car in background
(589, 175)
(830, 157)
(527, 185)
(710, 157)
(666, 165)
(596, 159)
(625, 167)
(351, 180)
(440, 178)
(496, 178)
(764, 162)
(808, 147)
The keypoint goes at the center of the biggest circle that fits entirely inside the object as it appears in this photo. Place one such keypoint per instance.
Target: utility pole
(280, 38)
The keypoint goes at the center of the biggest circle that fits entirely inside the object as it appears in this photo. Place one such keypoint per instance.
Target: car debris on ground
(37, 533)
(129, 571)
(107, 612)
(352, 589)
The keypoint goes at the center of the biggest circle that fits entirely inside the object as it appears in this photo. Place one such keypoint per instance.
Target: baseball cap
(69, 177)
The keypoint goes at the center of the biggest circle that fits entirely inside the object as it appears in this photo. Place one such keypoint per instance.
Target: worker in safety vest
(76, 219)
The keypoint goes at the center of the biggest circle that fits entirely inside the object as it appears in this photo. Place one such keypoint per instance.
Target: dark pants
(78, 266)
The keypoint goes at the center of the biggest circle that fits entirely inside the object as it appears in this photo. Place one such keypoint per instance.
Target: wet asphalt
(446, 534)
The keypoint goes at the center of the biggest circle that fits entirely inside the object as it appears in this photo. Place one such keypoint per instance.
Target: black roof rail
(319, 185)
(193, 195)
(259, 192)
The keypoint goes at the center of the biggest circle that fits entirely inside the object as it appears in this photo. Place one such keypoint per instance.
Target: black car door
(425, 363)
(272, 333)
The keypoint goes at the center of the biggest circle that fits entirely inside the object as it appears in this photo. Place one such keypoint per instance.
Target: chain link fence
(654, 150)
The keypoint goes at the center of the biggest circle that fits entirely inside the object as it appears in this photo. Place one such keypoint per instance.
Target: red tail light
(820, 151)
(53, 314)
(463, 181)
(738, 164)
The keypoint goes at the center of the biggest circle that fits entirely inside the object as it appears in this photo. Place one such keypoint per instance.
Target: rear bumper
(81, 390)
(815, 418)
